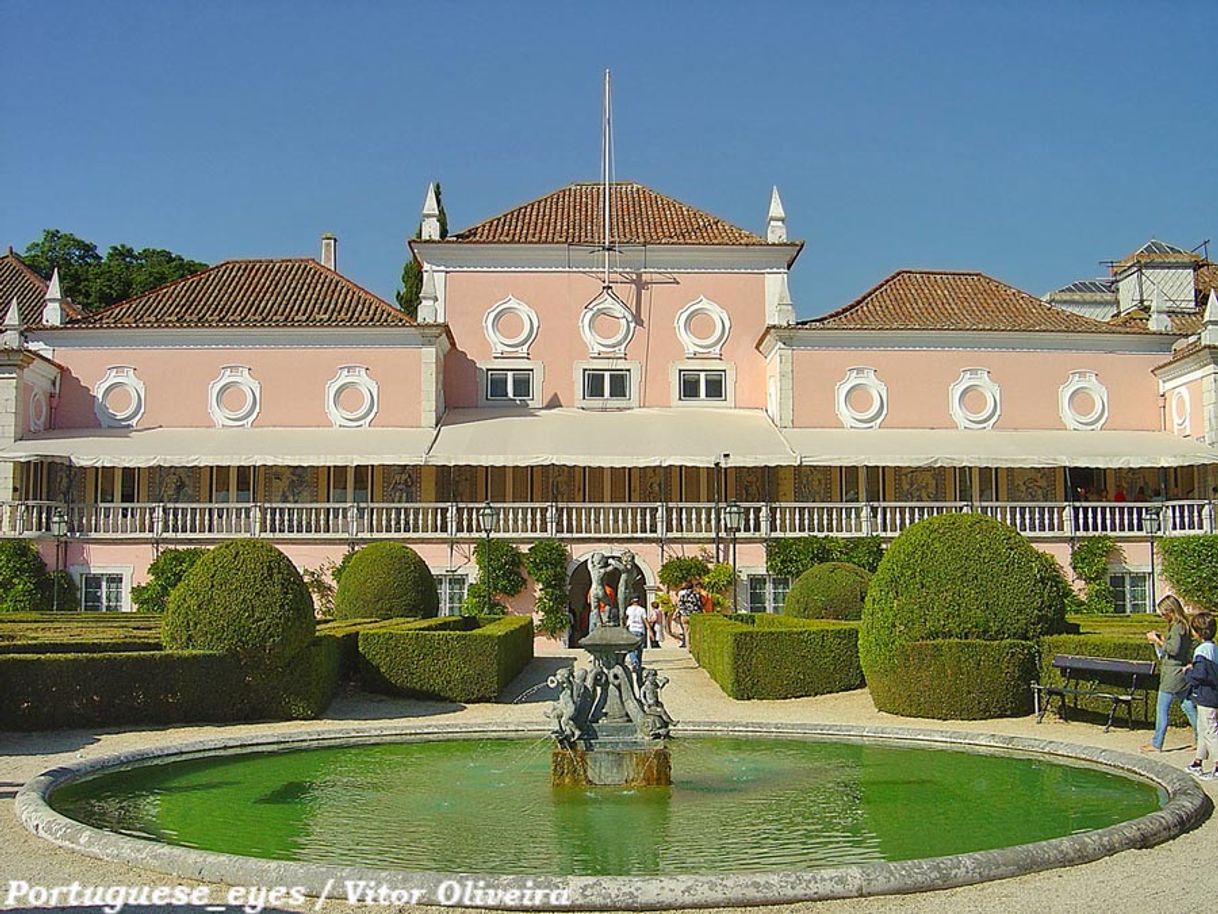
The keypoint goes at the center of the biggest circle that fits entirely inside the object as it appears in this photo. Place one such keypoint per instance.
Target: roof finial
(1209, 326)
(428, 311)
(776, 219)
(784, 309)
(1159, 321)
(52, 306)
(11, 336)
(430, 229)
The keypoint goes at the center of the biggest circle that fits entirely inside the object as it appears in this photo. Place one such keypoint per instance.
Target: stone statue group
(575, 705)
(603, 609)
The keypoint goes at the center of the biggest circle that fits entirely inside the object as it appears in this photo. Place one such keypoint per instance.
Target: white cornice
(228, 338)
(1196, 365)
(976, 340)
(563, 258)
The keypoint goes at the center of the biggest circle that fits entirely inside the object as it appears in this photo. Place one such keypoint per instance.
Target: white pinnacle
(12, 317)
(776, 210)
(1209, 327)
(54, 293)
(52, 306)
(776, 219)
(431, 206)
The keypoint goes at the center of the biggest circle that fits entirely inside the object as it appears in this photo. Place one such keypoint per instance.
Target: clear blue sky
(1028, 140)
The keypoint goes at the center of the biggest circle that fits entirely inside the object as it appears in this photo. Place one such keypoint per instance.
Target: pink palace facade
(278, 399)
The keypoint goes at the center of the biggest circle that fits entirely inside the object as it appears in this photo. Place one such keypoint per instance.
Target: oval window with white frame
(352, 397)
(974, 399)
(703, 327)
(118, 398)
(38, 410)
(1083, 402)
(862, 399)
(511, 327)
(1181, 412)
(234, 399)
(607, 325)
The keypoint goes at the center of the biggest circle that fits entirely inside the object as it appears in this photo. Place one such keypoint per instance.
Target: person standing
(655, 624)
(636, 624)
(688, 603)
(1175, 650)
(1202, 677)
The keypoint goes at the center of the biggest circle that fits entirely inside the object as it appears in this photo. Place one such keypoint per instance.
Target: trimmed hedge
(243, 597)
(831, 590)
(765, 656)
(53, 691)
(955, 577)
(454, 658)
(960, 680)
(385, 581)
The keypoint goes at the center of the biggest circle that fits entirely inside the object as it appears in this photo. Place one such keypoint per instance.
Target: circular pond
(737, 805)
(754, 815)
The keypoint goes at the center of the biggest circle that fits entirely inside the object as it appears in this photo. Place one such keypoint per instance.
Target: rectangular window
(1131, 592)
(232, 485)
(703, 385)
(767, 592)
(116, 485)
(509, 385)
(602, 384)
(349, 484)
(451, 588)
(101, 593)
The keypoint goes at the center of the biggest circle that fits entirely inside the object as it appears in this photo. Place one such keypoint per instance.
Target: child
(1202, 676)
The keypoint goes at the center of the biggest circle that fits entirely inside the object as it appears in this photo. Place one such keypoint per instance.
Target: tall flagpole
(606, 130)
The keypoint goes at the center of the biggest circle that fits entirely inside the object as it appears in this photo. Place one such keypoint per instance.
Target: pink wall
(918, 383)
(558, 299)
(293, 383)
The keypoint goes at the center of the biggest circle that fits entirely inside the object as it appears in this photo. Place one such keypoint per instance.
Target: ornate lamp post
(488, 517)
(59, 528)
(1152, 520)
(733, 520)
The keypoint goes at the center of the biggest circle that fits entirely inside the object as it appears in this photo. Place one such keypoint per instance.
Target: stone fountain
(609, 725)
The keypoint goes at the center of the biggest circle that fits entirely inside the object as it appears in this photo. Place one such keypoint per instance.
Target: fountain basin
(690, 878)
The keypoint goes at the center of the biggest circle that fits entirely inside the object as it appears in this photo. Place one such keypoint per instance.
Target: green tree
(92, 281)
(412, 272)
(164, 574)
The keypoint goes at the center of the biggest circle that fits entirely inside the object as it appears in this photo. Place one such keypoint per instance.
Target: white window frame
(78, 573)
(537, 369)
(676, 370)
(511, 377)
(1128, 575)
(444, 581)
(634, 374)
(772, 605)
(607, 376)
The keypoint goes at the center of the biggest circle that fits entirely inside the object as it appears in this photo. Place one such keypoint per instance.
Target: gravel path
(1177, 876)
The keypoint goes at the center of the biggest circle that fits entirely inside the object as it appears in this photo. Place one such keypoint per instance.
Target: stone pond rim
(1187, 807)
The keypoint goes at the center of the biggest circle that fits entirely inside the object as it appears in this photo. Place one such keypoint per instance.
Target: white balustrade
(608, 521)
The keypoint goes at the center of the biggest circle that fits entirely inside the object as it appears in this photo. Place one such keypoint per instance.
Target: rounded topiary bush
(831, 590)
(383, 581)
(244, 597)
(956, 577)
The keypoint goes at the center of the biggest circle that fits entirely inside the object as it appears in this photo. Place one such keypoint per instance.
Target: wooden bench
(1095, 677)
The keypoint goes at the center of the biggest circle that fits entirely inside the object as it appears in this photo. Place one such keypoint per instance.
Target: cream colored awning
(610, 438)
(190, 447)
(957, 448)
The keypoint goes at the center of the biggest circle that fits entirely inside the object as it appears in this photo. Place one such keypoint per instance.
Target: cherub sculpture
(627, 582)
(599, 565)
(563, 712)
(659, 721)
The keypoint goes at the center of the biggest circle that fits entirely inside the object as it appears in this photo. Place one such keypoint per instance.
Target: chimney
(329, 252)
(776, 220)
(430, 229)
(52, 306)
(1159, 321)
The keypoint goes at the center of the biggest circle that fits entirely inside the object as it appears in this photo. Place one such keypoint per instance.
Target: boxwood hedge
(956, 577)
(454, 658)
(765, 656)
(960, 680)
(831, 590)
(383, 581)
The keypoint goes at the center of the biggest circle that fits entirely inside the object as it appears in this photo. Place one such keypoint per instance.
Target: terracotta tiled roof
(17, 278)
(1139, 319)
(573, 215)
(296, 292)
(941, 300)
(1205, 278)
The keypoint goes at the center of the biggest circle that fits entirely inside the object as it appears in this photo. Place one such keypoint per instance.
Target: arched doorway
(579, 581)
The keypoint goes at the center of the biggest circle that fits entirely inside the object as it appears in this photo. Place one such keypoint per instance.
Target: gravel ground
(1177, 876)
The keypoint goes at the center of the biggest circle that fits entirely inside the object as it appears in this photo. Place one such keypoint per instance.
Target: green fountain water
(738, 805)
